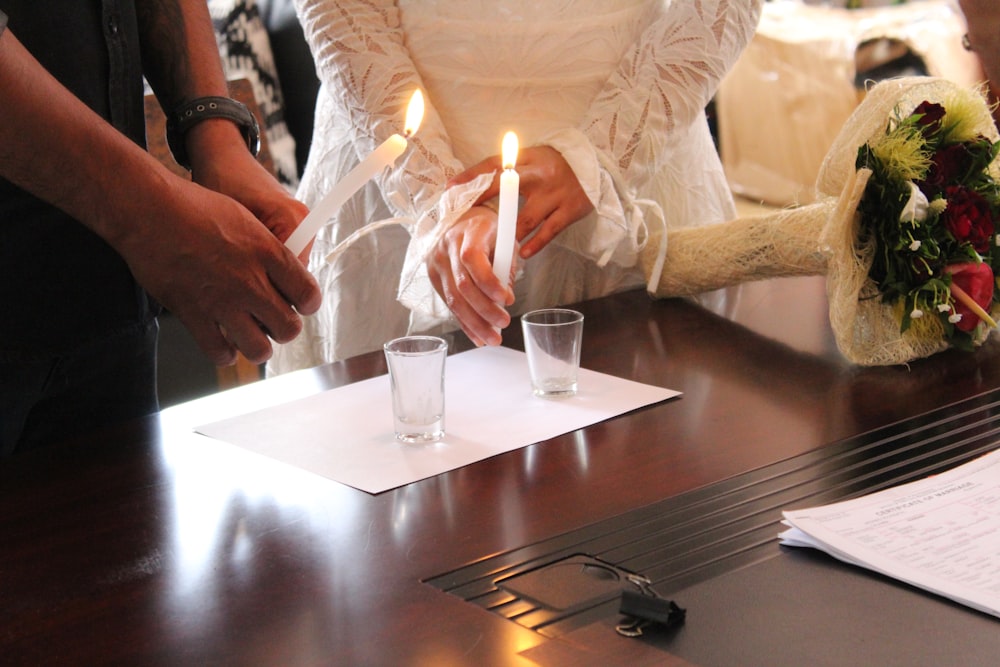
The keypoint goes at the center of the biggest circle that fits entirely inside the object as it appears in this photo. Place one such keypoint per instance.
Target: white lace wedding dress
(619, 87)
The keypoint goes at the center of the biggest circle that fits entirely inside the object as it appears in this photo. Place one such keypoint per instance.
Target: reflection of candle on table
(382, 157)
(503, 252)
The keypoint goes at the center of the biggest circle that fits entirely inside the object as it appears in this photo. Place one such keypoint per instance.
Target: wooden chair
(243, 371)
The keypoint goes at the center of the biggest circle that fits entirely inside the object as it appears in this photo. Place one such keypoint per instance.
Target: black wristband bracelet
(190, 114)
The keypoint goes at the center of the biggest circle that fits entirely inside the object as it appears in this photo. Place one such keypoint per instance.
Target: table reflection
(151, 544)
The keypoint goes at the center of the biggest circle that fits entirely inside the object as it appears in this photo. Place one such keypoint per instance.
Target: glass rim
(438, 344)
(572, 316)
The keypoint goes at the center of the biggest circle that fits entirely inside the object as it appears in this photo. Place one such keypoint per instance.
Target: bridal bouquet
(930, 209)
(904, 228)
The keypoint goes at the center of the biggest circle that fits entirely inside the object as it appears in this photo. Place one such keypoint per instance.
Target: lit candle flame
(508, 150)
(414, 113)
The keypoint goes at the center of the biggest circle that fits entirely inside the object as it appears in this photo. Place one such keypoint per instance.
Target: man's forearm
(181, 62)
(179, 52)
(202, 255)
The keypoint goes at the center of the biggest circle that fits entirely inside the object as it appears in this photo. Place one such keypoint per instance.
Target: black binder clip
(646, 608)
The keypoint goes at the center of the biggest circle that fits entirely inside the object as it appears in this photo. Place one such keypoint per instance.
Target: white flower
(916, 314)
(943, 307)
(915, 246)
(915, 209)
(996, 240)
(955, 319)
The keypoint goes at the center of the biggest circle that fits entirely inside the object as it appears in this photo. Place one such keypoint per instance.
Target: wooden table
(149, 544)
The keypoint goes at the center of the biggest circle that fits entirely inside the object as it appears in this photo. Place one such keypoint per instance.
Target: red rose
(976, 280)
(929, 117)
(947, 166)
(968, 217)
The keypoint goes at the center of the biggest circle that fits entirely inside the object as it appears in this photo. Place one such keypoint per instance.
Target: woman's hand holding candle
(551, 197)
(459, 267)
(460, 270)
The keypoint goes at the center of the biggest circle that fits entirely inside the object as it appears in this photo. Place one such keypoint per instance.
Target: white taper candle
(503, 252)
(382, 157)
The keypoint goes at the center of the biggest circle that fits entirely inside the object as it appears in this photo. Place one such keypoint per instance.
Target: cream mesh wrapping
(821, 238)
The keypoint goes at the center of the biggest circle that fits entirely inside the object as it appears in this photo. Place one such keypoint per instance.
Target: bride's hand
(461, 270)
(552, 197)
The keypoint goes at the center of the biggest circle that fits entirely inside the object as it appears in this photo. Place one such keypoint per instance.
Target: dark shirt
(62, 285)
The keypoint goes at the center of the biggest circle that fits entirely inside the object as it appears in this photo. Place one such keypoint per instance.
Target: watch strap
(189, 114)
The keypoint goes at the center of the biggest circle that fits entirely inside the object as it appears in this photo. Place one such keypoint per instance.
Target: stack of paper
(941, 534)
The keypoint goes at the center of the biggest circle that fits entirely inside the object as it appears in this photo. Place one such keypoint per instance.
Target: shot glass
(552, 339)
(416, 377)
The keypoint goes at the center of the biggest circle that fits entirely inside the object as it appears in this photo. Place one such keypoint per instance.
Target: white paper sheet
(345, 434)
(941, 534)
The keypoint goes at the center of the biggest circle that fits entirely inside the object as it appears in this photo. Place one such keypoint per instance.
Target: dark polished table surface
(150, 544)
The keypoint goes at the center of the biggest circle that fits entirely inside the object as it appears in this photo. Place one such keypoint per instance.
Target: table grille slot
(681, 541)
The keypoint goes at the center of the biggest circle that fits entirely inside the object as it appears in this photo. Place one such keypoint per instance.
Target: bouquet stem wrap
(824, 238)
(787, 243)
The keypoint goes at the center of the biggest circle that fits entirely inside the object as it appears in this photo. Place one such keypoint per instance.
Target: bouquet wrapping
(903, 228)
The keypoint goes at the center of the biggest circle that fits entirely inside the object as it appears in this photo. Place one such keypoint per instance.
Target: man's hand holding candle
(235, 172)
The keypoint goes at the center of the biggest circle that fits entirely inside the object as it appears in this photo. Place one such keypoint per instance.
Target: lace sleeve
(663, 83)
(361, 57)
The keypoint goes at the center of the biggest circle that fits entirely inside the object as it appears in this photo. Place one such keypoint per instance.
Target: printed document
(941, 533)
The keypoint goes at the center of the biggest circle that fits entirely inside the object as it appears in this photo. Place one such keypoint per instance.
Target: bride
(608, 98)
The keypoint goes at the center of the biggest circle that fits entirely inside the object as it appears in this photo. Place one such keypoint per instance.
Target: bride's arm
(663, 82)
(666, 79)
(362, 60)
